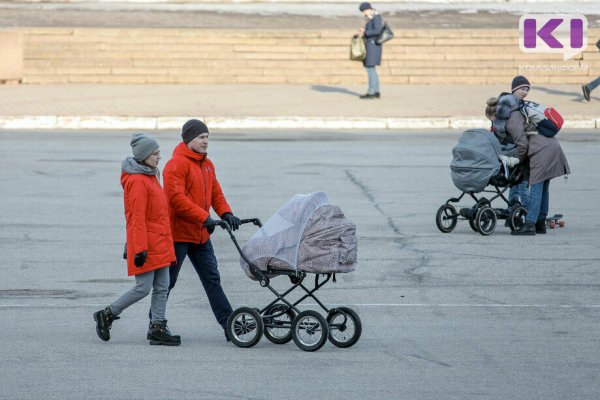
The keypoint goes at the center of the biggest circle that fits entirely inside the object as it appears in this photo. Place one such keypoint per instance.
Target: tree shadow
(333, 89)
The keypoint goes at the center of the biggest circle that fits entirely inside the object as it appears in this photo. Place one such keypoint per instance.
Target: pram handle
(254, 221)
(263, 279)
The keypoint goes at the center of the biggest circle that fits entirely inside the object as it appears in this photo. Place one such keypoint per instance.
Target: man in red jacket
(191, 187)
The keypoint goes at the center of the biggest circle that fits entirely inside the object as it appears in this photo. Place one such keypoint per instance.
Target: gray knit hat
(142, 146)
(192, 129)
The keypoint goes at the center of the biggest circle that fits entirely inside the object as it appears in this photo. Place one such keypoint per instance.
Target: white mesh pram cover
(306, 234)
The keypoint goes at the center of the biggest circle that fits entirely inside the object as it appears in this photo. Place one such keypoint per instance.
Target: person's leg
(540, 223)
(205, 263)
(532, 199)
(160, 290)
(143, 285)
(104, 318)
(372, 74)
(534, 202)
(587, 89)
(159, 333)
(594, 84)
(181, 250)
(180, 253)
(375, 82)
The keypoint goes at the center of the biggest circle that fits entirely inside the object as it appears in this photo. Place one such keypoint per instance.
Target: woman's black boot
(160, 335)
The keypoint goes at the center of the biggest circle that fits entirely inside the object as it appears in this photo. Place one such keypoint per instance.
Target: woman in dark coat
(373, 28)
(546, 161)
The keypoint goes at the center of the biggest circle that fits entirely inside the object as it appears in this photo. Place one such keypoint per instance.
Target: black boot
(104, 319)
(528, 229)
(160, 335)
(149, 334)
(540, 227)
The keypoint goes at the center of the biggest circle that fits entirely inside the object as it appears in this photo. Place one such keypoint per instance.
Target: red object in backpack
(554, 117)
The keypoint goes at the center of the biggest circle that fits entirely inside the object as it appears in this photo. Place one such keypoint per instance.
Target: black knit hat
(192, 129)
(365, 6)
(519, 82)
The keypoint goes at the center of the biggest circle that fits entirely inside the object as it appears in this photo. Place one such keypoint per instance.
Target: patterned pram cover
(306, 234)
(475, 160)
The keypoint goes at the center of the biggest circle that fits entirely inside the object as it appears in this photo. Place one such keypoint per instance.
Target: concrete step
(464, 56)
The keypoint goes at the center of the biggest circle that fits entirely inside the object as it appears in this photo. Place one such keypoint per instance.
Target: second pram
(477, 164)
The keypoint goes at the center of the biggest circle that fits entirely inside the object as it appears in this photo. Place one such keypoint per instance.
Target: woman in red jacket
(149, 242)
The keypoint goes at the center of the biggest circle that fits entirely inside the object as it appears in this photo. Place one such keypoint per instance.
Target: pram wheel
(245, 327)
(309, 330)
(278, 328)
(446, 218)
(485, 220)
(516, 218)
(345, 327)
(473, 226)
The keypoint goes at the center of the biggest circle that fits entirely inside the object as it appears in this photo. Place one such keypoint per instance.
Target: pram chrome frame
(281, 320)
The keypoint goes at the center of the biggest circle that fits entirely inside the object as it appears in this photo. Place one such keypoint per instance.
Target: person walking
(588, 88)
(546, 161)
(192, 189)
(149, 248)
(372, 29)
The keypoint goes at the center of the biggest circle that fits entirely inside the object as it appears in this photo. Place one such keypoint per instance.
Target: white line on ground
(448, 305)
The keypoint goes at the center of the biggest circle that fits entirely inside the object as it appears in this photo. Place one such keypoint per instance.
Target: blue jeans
(537, 200)
(204, 261)
(516, 193)
(593, 84)
(373, 80)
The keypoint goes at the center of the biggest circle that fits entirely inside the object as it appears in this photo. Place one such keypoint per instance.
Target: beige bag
(358, 51)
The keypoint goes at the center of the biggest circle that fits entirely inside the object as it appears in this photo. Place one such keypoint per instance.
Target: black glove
(140, 259)
(210, 225)
(125, 251)
(232, 220)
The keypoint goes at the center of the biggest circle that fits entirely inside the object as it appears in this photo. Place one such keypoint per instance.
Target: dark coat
(373, 29)
(546, 158)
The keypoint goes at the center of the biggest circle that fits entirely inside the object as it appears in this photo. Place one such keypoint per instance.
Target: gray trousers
(157, 280)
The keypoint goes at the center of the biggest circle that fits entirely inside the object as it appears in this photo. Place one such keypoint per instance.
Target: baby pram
(306, 235)
(475, 165)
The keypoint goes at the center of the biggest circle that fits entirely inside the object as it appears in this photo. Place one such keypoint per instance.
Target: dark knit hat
(142, 146)
(192, 129)
(365, 6)
(519, 82)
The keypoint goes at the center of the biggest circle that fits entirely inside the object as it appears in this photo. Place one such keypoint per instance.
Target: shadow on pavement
(333, 89)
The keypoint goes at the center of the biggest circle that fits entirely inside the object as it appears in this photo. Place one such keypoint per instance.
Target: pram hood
(308, 234)
(475, 160)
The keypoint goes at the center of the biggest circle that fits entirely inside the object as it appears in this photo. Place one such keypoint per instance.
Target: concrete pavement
(155, 107)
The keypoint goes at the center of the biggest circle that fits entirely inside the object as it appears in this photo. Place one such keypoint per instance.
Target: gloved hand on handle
(510, 161)
(232, 220)
(210, 224)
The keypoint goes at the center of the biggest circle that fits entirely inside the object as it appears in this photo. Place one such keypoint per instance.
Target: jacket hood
(132, 167)
(507, 103)
(183, 150)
